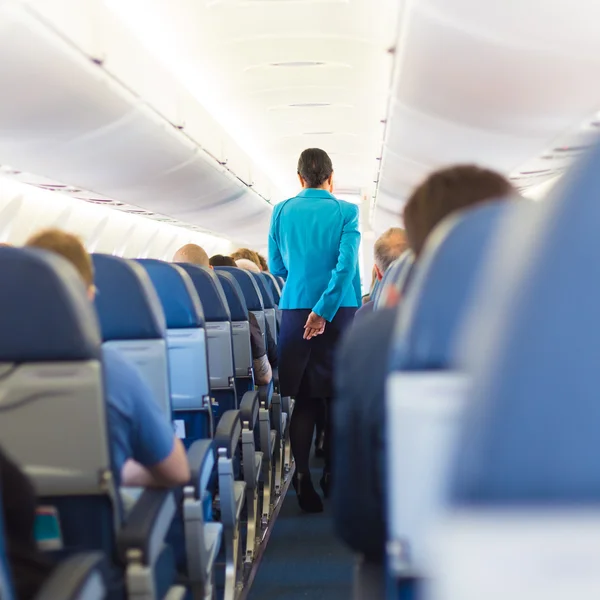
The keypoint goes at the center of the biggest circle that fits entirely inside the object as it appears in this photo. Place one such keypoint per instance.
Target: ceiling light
(298, 63)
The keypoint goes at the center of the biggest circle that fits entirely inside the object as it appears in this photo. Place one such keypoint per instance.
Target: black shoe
(325, 483)
(308, 499)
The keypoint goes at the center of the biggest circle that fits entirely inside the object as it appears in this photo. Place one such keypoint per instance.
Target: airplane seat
(221, 363)
(396, 278)
(51, 365)
(187, 346)
(522, 515)
(425, 393)
(281, 282)
(270, 307)
(132, 320)
(240, 326)
(273, 286)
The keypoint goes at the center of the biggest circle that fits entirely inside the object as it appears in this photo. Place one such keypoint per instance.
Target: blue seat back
(186, 339)
(50, 357)
(397, 276)
(240, 324)
(281, 282)
(424, 398)
(273, 286)
(270, 308)
(218, 328)
(132, 320)
(252, 294)
(6, 586)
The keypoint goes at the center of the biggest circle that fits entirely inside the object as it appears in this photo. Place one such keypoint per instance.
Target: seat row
(187, 330)
(489, 431)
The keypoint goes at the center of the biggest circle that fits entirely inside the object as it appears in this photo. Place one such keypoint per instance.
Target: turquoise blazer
(313, 245)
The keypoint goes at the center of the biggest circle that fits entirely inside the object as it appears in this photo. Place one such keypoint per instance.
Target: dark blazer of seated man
(388, 247)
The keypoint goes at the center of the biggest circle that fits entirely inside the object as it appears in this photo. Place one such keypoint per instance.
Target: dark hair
(314, 166)
(218, 260)
(446, 191)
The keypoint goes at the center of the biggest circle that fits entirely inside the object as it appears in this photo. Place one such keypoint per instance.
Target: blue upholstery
(177, 294)
(442, 287)
(210, 291)
(396, 276)
(273, 286)
(127, 304)
(531, 431)
(234, 295)
(56, 320)
(248, 286)
(6, 587)
(267, 296)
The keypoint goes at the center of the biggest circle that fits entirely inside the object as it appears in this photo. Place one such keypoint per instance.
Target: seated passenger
(248, 265)
(388, 248)
(359, 417)
(29, 567)
(218, 260)
(192, 253)
(145, 451)
(247, 254)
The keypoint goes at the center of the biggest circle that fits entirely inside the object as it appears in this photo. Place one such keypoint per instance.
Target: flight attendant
(313, 244)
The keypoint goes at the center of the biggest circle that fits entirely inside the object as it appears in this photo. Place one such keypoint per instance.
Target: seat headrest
(437, 301)
(127, 303)
(177, 294)
(273, 286)
(212, 296)
(265, 291)
(248, 286)
(235, 297)
(45, 314)
(531, 431)
(396, 276)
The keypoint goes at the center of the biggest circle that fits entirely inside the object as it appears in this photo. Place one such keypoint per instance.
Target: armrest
(147, 525)
(249, 409)
(276, 378)
(201, 458)
(81, 576)
(228, 432)
(265, 393)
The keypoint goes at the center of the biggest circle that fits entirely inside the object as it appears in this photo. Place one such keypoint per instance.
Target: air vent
(572, 149)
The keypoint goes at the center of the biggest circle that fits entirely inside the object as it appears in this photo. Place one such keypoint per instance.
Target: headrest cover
(265, 291)
(127, 303)
(177, 294)
(531, 433)
(248, 286)
(45, 314)
(439, 295)
(235, 297)
(212, 296)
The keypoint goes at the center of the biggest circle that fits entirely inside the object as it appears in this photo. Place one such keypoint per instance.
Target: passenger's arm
(345, 268)
(262, 370)
(275, 259)
(170, 472)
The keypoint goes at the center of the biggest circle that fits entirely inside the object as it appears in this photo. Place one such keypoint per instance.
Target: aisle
(303, 559)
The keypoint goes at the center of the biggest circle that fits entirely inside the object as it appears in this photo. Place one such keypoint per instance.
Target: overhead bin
(62, 116)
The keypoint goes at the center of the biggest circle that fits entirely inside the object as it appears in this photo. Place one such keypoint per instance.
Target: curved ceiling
(282, 75)
(510, 85)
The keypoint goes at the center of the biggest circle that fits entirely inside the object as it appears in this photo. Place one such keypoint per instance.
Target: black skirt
(306, 366)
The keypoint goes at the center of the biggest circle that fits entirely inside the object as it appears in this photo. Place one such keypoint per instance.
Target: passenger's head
(263, 263)
(68, 246)
(5, 245)
(192, 253)
(388, 248)
(315, 169)
(248, 265)
(247, 254)
(218, 260)
(446, 191)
